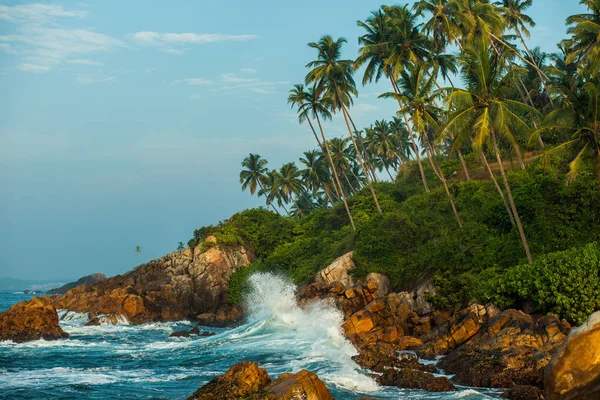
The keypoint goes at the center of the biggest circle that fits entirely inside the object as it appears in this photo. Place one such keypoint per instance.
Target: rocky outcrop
(513, 348)
(413, 379)
(574, 372)
(31, 320)
(195, 331)
(337, 271)
(180, 285)
(89, 279)
(246, 380)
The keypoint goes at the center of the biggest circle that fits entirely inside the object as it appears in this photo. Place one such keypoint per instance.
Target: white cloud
(33, 68)
(86, 80)
(157, 38)
(248, 70)
(192, 81)
(232, 78)
(84, 62)
(38, 40)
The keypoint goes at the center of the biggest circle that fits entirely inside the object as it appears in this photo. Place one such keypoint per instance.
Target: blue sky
(123, 123)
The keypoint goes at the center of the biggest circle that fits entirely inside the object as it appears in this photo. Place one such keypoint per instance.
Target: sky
(123, 123)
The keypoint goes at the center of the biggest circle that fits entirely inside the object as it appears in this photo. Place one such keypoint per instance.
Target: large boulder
(574, 372)
(337, 271)
(246, 380)
(413, 379)
(510, 349)
(89, 279)
(180, 285)
(31, 320)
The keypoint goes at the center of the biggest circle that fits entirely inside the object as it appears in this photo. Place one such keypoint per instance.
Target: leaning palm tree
(392, 42)
(483, 111)
(332, 76)
(314, 175)
(253, 175)
(416, 85)
(138, 250)
(311, 104)
(271, 190)
(289, 183)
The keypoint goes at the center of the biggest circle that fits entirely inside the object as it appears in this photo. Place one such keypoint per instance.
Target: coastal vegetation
(487, 180)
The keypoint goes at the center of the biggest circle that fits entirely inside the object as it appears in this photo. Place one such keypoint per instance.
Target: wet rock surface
(180, 285)
(246, 380)
(31, 320)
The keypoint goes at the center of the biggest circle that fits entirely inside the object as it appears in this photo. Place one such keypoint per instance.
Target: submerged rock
(195, 331)
(178, 286)
(574, 372)
(245, 380)
(31, 320)
(413, 379)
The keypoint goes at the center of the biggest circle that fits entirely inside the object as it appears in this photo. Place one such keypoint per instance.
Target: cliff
(89, 279)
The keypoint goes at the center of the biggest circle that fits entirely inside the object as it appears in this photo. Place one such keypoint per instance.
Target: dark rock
(523, 392)
(31, 320)
(412, 379)
(89, 279)
(195, 331)
(93, 322)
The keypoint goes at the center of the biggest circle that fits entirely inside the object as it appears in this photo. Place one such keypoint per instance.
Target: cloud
(33, 68)
(38, 41)
(173, 42)
(248, 70)
(231, 82)
(192, 81)
(84, 62)
(86, 80)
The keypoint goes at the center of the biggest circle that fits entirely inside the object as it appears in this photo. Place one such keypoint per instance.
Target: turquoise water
(143, 362)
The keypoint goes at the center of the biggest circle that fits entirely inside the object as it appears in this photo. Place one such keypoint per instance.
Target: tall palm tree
(416, 86)
(311, 104)
(392, 41)
(332, 76)
(138, 250)
(446, 22)
(271, 190)
(289, 184)
(253, 175)
(483, 111)
(315, 173)
(342, 157)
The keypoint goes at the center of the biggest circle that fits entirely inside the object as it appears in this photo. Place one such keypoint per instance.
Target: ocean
(143, 362)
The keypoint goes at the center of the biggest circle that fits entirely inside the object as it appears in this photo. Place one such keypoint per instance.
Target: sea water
(142, 362)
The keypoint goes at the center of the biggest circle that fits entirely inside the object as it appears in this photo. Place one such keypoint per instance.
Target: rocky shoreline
(482, 346)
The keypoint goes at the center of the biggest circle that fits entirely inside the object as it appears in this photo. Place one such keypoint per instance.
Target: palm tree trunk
(268, 202)
(496, 38)
(412, 138)
(360, 160)
(352, 188)
(326, 189)
(441, 177)
(511, 200)
(365, 152)
(335, 175)
(519, 157)
(532, 105)
(314, 133)
(387, 170)
(543, 82)
(486, 166)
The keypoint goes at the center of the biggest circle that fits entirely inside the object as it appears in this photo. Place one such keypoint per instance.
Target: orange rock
(31, 320)
(241, 380)
(304, 385)
(409, 342)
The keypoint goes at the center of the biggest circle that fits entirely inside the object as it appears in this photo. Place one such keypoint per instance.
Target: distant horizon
(124, 124)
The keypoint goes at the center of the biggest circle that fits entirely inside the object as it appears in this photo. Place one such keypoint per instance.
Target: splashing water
(143, 362)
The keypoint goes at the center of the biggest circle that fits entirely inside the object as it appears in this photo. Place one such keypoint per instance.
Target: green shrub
(566, 283)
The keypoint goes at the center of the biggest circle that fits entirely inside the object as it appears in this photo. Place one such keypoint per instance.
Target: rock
(93, 322)
(411, 379)
(304, 385)
(378, 284)
(31, 320)
(336, 271)
(574, 372)
(409, 342)
(511, 349)
(524, 392)
(194, 331)
(178, 286)
(421, 305)
(89, 279)
(245, 380)
(242, 380)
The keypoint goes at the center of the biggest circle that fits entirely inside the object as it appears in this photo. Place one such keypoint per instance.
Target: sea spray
(315, 330)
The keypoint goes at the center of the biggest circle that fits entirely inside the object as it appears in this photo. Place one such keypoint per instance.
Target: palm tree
(270, 189)
(312, 104)
(482, 109)
(416, 86)
(579, 117)
(332, 76)
(315, 174)
(289, 184)
(138, 250)
(180, 246)
(384, 48)
(445, 24)
(342, 158)
(254, 174)
(585, 43)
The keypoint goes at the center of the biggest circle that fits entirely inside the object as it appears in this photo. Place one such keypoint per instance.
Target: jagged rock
(226, 315)
(177, 286)
(524, 392)
(246, 380)
(574, 372)
(378, 284)
(89, 279)
(31, 320)
(194, 331)
(336, 271)
(511, 349)
(421, 305)
(412, 379)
